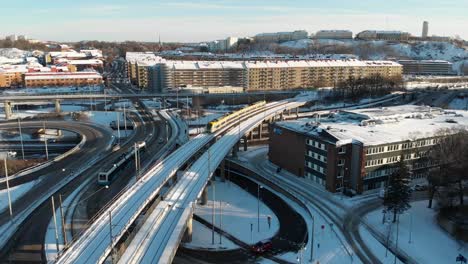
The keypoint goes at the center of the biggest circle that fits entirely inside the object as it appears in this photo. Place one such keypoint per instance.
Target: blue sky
(185, 20)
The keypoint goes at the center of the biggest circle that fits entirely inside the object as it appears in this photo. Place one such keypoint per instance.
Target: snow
(392, 124)
(15, 193)
(201, 238)
(42, 110)
(68, 206)
(330, 249)
(429, 242)
(105, 118)
(377, 248)
(239, 212)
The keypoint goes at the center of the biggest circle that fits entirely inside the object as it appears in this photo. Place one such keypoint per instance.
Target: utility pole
(110, 236)
(21, 137)
(64, 234)
(125, 118)
(8, 186)
(220, 219)
(118, 126)
(105, 101)
(214, 199)
(45, 141)
(258, 207)
(55, 224)
(396, 242)
(137, 165)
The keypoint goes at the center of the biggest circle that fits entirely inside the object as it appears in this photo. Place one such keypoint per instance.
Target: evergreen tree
(398, 192)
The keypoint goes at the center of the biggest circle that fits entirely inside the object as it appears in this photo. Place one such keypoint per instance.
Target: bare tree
(449, 160)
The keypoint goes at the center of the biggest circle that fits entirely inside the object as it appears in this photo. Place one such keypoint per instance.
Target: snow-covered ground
(425, 50)
(239, 212)
(105, 118)
(42, 110)
(15, 193)
(202, 238)
(429, 242)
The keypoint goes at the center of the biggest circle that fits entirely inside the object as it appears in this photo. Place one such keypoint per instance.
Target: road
(27, 245)
(97, 140)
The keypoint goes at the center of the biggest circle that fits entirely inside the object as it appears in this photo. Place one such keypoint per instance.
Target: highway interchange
(26, 243)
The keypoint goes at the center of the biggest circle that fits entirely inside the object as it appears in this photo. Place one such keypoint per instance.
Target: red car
(262, 247)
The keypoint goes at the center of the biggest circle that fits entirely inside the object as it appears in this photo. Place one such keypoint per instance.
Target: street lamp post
(258, 207)
(8, 187)
(125, 118)
(55, 224)
(411, 227)
(21, 137)
(220, 219)
(45, 141)
(64, 234)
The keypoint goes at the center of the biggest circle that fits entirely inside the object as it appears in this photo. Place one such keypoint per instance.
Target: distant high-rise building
(425, 30)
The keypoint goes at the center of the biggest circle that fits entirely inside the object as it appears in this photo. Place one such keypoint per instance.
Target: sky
(204, 20)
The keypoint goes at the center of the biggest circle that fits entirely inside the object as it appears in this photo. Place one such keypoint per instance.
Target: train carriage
(213, 126)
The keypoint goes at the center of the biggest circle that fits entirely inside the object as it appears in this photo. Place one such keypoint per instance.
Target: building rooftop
(376, 126)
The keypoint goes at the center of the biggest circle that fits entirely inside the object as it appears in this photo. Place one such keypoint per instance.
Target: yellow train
(220, 122)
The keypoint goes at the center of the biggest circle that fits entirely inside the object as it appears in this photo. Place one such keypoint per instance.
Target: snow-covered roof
(376, 126)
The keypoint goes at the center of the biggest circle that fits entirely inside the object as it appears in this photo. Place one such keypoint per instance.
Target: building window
(341, 162)
(342, 150)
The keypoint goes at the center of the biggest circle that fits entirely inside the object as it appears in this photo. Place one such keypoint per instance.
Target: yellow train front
(214, 125)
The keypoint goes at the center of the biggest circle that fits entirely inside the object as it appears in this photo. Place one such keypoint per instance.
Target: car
(262, 246)
(418, 187)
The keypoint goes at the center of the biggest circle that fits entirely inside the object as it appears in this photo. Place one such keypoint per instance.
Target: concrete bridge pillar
(7, 106)
(297, 111)
(58, 107)
(245, 143)
(260, 130)
(235, 149)
(204, 197)
(282, 116)
(188, 231)
(223, 170)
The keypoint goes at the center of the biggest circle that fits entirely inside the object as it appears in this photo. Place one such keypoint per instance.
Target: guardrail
(47, 163)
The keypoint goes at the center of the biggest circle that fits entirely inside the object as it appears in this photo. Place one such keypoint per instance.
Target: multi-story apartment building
(426, 67)
(202, 74)
(39, 79)
(148, 71)
(334, 34)
(279, 37)
(318, 73)
(359, 149)
(383, 35)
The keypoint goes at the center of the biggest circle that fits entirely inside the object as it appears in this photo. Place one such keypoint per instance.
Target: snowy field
(15, 193)
(202, 238)
(239, 212)
(429, 243)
